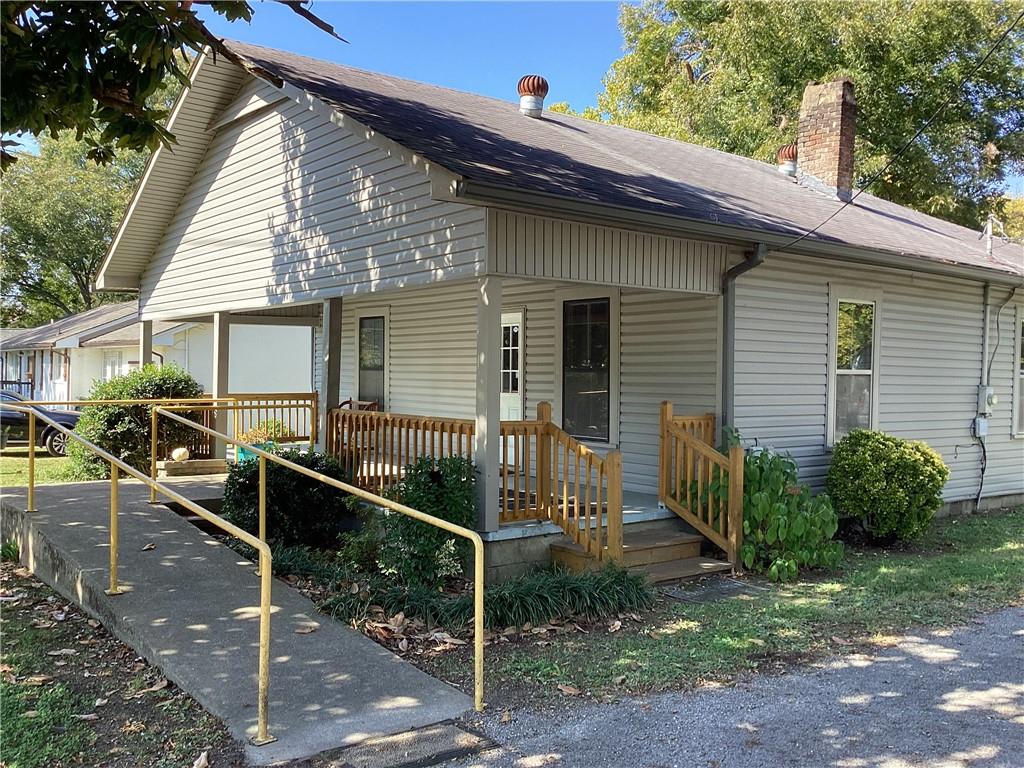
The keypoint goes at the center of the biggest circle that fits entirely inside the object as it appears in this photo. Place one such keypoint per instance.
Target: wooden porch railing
(375, 447)
(545, 473)
(294, 412)
(699, 483)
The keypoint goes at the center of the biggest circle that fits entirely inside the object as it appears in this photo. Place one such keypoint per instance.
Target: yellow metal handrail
(116, 468)
(234, 407)
(458, 530)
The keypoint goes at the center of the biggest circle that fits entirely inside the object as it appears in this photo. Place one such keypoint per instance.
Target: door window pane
(586, 368)
(371, 359)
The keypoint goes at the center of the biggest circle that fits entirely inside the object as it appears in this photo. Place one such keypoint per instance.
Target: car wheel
(56, 443)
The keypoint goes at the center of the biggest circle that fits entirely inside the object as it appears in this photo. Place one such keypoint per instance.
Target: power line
(915, 137)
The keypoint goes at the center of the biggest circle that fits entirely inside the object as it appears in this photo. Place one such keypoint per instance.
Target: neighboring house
(63, 359)
(463, 260)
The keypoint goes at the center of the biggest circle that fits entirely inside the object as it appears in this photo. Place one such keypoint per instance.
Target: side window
(371, 359)
(853, 364)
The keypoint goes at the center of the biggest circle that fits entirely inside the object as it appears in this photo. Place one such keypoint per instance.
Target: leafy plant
(414, 552)
(124, 430)
(266, 432)
(891, 486)
(785, 528)
(300, 510)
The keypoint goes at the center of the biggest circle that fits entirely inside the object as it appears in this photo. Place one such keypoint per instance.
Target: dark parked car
(14, 424)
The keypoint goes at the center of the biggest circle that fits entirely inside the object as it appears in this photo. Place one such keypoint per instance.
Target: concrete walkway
(193, 611)
(937, 700)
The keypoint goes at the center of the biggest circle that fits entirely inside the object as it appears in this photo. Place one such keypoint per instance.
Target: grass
(960, 568)
(14, 467)
(71, 694)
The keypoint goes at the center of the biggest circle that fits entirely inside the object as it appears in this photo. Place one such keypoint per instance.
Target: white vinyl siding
(929, 367)
(534, 246)
(288, 207)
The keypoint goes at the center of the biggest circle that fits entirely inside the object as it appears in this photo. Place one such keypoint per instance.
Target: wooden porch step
(667, 550)
(688, 568)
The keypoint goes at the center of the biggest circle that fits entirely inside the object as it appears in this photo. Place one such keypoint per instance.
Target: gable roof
(556, 162)
(88, 324)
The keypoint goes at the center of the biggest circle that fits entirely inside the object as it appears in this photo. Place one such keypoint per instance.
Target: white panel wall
(929, 367)
(286, 206)
(534, 246)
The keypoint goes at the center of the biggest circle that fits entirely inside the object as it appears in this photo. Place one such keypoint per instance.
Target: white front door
(512, 366)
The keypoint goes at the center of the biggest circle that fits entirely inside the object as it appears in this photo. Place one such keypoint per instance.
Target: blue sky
(484, 47)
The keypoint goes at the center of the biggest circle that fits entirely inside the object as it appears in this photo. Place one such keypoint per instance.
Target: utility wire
(915, 137)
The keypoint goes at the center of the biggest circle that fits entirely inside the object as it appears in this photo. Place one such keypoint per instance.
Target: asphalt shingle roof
(46, 336)
(486, 140)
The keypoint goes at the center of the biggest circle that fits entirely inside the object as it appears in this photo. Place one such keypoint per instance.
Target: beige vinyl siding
(669, 351)
(534, 246)
(1005, 473)
(151, 213)
(430, 348)
(288, 207)
(929, 366)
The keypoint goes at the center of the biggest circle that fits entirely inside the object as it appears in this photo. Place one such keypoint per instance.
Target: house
(62, 360)
(577, 306)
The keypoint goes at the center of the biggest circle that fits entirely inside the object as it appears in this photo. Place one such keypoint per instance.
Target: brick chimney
(828, 122)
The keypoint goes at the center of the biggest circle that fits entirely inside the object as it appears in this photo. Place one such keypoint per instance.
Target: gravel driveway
(938, 699)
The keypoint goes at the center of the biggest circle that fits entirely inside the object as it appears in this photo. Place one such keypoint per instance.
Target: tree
(730, 74)
(60, 211)
(92, 67)
(1013, 217)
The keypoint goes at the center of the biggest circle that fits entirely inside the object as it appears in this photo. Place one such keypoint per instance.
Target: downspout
(752, 260)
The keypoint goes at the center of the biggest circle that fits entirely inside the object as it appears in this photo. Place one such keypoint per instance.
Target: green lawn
(962, 567)
(14, 467)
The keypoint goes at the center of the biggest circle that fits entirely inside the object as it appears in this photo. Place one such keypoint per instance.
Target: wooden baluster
(515, 474)
(588, 498)
(599, 510)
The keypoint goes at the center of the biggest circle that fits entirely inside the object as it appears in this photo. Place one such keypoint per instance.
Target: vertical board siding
(288, 207)
(669, 351)
(556, 249)
(929, 367)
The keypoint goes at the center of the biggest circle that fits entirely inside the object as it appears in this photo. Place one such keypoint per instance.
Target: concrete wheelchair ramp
(193, 611)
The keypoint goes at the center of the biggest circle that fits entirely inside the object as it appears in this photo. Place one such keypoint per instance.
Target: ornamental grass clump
(889, 486)
(268, 431)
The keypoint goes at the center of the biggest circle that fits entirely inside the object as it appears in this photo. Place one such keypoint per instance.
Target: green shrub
(891, 486)
(785, 528)
(124, 430)
(417, 553)
(300, 510)
(9, 551)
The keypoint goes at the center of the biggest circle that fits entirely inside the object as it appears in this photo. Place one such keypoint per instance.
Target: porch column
(145, 342)
(487, 437)
(221, 341)
(329, 392)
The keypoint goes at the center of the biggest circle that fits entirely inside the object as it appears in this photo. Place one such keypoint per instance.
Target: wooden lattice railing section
(699, 483)
(545, 473)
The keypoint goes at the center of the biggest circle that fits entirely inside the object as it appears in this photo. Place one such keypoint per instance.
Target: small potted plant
(264, 435)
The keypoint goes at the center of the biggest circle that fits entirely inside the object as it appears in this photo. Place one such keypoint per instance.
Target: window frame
(581, 294)
(358, 316)
(1017, 370)
(854, 295)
